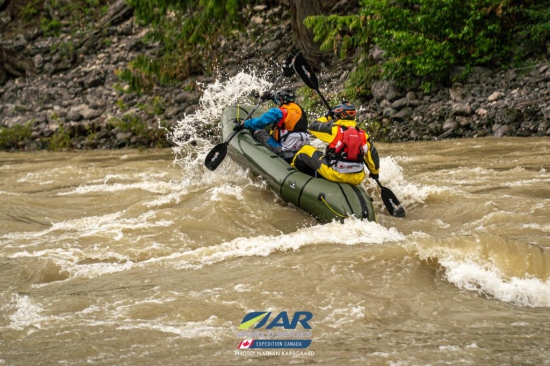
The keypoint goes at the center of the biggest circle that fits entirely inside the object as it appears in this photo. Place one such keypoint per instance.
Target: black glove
(238, 127)
(267, 95)
(373, 176)
(330, 115)
(239, 124)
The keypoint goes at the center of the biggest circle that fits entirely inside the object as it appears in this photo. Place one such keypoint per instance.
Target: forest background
(419, 46)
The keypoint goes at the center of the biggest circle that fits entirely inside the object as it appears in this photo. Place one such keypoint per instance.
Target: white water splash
(111, 226)
(210, 328)
(353, 232)
(27, 314)
(338, 318)
(489, 280)
(197, 133)
(391, 176)
(190, 147)
(469, 271)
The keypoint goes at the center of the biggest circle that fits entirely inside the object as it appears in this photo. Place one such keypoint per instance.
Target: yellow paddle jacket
(326, 130)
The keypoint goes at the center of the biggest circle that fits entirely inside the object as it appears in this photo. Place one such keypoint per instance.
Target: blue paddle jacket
(273, 115)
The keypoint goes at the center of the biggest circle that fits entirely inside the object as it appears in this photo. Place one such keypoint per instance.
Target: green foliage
(339, 33)
(426, 39)
(121, 105)
(310, 102)
(59, 16)
(360, 78)
(91, 132)
(116, 86)
(131, 123)
(51, 27)
(60, 140)
(532, 27)
(10, 137)
(378, 130)
(429, 40)
(188, 31)
(157, 107)
(65, 49)
(148, 135)
(30, 9)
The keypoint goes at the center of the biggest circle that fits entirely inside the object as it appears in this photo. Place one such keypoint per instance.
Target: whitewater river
(147, 258)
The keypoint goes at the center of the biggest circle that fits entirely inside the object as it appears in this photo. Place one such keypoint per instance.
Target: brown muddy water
(125, 258)
(147, 258)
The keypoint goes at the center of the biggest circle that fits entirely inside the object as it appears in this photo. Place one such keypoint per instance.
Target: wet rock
(173, 111)
(456, 92)
(94, 79)
(385, 90)
(186, 97)
(464, 122)
(74, 114)
(502, 131)
(403, 115)
(257, 20)
(123, 136)
(388, 112)
(449, 124)
(507, 116)
(461, 109)
(259, 8)
(495, 96)
(400, 103)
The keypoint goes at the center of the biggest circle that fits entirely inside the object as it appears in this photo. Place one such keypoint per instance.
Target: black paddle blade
(287, 64)
(392, 203)
(216, 156)
(305, 71)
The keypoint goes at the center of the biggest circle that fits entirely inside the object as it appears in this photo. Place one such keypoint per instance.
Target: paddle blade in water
(392, 203)
(216, 156)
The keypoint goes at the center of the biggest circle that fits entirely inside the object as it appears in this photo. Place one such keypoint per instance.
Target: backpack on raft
(348, 154)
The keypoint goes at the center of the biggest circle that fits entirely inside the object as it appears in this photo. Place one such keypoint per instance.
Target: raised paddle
(302, 68)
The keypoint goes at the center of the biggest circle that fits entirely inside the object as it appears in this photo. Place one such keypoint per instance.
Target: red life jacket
(348, 144)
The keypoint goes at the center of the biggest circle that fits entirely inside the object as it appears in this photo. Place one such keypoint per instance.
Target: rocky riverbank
(75, 100)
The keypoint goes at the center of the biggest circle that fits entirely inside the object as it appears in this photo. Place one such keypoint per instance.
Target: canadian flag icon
(246, 343)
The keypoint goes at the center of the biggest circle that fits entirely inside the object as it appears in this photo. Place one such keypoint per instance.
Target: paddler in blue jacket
(289, 125)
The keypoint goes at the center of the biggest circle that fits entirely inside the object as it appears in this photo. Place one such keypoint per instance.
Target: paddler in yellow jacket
(348, 149)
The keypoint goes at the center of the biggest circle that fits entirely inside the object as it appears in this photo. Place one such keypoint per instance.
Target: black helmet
(283, 96)
(345, 110)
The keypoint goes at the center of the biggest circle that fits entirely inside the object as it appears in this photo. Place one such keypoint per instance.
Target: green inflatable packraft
(323, 199)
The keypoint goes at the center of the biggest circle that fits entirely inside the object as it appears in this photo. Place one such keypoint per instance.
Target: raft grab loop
(321, 197)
